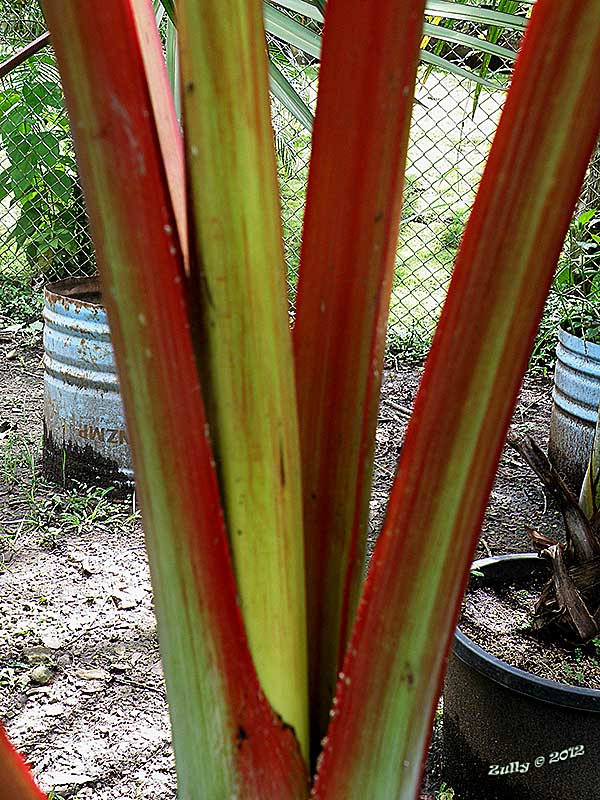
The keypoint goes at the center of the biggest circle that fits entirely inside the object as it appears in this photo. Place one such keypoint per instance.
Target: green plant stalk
(391, 676)
(228, 742)
(245, 351)
(347, 265)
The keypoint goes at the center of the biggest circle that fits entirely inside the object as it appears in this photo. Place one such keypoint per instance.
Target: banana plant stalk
(346, 274)
(229, 739)
(16, 782)
(550, 122)
(238, 274)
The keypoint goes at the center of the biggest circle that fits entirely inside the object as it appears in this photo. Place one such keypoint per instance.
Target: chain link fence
(452, 128)
(43, 224)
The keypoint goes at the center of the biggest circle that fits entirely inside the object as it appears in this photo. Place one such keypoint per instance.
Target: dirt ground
(82, 693)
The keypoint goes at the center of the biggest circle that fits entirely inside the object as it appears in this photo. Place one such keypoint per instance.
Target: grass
(48, 513)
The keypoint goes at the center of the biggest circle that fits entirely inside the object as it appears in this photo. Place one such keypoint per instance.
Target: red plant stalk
(347, 267)
(16, 782)
(394, 664)
(227, 740)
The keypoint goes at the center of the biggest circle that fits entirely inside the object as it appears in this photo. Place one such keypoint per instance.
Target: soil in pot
(498, 618)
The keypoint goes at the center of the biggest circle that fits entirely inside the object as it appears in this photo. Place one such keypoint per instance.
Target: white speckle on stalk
(148, 353)
(142, 319)
(168, 230)
(129, 131)
(405, 90)
(194, 150)
(177, 278)
(322, 306)
(173, 250)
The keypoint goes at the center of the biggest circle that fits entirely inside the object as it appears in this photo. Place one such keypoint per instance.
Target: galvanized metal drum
(85, 437)
(576, 396)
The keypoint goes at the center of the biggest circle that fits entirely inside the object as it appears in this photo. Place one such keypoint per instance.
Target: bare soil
(82, 693)
(499, 621)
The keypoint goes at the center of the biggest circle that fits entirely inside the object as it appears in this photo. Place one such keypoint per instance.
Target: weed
(72, 512)
(451, 237)
(53, 514)
(20, 456)
(445, 792)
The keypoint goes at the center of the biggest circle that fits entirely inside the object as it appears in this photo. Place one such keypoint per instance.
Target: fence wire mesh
(43, 224)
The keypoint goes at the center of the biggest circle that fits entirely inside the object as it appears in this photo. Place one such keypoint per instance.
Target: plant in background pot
(541, 737)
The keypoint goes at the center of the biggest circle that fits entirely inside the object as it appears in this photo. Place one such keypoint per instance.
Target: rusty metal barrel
(576, 396)
(85, 438)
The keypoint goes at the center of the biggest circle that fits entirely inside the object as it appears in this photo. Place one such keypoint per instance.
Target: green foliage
(577, 280)
(451, 237)
(574, 300)
(38, 179)
(19, 301)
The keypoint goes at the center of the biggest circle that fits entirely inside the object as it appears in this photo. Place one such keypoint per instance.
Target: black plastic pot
(509, 735)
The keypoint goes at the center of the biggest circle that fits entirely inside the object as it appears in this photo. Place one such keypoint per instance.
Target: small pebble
(41, 675)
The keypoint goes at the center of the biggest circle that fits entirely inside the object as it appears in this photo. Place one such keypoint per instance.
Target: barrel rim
(578, 344)
(68, 289)
(513, 678)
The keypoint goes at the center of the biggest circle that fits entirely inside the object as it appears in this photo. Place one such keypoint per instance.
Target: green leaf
(584, 218)
(169, 6)
(467, 13)
(35, 97)
(283, 90)
(310, 10)
(25, 227)
(47, 146)
(59, 184)
(481, 45)
(14, 119)
(454, 69)
(23, 178)
(290, 31)
(8, 99)
(5, 182)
